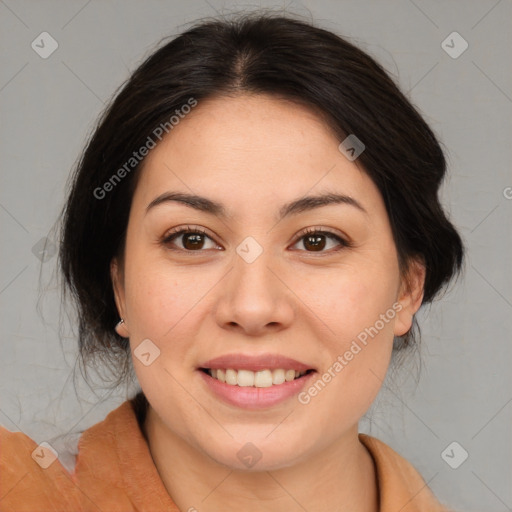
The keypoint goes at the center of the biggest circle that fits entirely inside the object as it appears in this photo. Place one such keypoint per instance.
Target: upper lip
(255, 362)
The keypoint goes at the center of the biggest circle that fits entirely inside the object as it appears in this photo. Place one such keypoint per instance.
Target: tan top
(114, 472)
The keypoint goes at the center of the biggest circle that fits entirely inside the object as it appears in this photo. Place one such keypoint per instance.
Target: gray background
(49, 106)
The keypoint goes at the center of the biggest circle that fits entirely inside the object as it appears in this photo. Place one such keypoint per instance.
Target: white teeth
(231, 377)
(260, 379)
(263, 379)
(278, 376)
(245, 378)
(289, 375)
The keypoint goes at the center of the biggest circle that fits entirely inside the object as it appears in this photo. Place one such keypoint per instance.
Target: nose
(254, 298)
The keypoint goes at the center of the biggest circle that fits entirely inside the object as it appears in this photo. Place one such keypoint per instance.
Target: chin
(257, 456)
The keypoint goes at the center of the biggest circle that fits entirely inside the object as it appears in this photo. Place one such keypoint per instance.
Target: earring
(121, 329)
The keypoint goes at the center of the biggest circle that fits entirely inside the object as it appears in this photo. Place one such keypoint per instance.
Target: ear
(410, 296)
(117, 276)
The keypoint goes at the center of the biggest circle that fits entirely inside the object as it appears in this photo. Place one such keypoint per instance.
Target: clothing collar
(400, 486)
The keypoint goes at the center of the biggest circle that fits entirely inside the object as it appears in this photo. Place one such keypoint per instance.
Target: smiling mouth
(258, 379)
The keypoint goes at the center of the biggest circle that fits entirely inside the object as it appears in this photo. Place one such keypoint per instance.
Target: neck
(339, 478)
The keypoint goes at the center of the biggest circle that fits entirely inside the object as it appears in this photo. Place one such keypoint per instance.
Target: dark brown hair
(253, 53)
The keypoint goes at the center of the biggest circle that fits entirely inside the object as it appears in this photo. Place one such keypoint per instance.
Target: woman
(253, 224)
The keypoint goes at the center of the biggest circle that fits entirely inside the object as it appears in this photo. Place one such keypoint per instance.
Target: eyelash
(168, 238)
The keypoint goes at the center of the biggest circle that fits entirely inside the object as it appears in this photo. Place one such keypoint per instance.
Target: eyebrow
(303, 204)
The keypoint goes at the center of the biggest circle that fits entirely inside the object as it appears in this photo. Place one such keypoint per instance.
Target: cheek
(158, 295)
(359, 306)
(355, 296)
(152, 302)
(167, 305)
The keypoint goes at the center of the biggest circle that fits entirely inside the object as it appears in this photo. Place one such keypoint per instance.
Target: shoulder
(114, 470)
(31, 476)
(401, 487)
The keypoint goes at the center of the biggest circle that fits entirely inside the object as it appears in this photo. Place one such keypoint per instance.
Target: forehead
(251, 149)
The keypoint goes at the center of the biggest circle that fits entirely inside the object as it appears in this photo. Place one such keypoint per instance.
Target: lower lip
(248, 397)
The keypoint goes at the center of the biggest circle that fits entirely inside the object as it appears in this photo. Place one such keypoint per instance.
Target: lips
(255, 363)
(254, 397)
(259, 379)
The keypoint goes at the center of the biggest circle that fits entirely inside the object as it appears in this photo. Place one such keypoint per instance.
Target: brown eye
(195, 240)
(191, 239)
(316, 240)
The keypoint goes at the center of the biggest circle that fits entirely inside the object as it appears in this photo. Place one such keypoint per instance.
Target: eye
(192, 239)
(315, 239)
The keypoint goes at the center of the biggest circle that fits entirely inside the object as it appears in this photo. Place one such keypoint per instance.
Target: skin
(253, 153)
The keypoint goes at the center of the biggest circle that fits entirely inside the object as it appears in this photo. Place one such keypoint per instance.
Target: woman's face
(258, 284)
